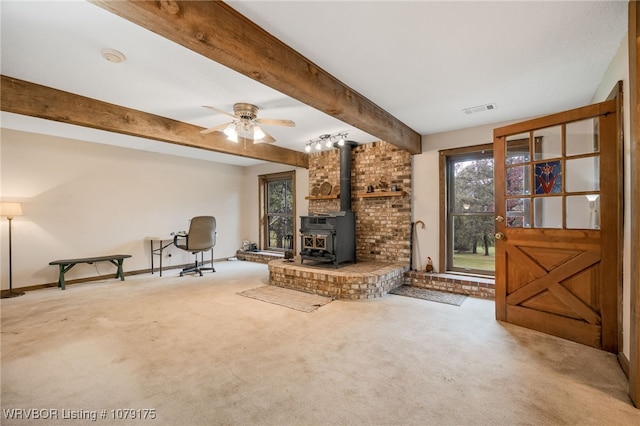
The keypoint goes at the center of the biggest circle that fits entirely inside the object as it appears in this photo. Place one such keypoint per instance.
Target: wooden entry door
(558, 191)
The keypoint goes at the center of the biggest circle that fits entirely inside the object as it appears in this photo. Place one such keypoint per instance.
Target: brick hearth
(362, 280)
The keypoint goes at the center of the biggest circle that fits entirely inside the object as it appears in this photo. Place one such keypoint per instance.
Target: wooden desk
(66, 264)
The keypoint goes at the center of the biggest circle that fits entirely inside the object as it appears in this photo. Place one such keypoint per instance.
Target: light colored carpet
(430, 295)
(298, 300)
(197, 353)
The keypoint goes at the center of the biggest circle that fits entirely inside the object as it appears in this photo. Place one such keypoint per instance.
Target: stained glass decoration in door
(548, 177)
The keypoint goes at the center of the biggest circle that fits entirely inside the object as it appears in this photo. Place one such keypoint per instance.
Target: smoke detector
(479, 108)
(112, 55)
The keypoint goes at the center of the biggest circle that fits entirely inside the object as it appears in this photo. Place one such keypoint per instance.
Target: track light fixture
(327, 141)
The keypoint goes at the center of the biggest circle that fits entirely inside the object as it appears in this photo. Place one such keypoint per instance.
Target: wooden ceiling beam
(218, 32)
(25, 98)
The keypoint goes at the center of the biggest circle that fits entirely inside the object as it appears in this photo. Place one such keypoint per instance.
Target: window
(468, 210)
(277, 204)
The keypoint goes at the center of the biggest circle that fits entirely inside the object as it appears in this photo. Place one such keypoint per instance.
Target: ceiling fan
(246, 124)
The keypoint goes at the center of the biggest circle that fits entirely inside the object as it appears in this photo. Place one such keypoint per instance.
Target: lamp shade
(10, 209)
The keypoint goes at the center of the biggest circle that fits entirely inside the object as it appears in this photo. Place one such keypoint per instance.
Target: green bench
(67, 264)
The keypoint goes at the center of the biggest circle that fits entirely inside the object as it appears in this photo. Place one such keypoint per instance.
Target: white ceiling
(422, 61)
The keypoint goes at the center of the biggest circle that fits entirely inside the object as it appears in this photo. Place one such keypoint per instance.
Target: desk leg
(161, 249)
(151, 244)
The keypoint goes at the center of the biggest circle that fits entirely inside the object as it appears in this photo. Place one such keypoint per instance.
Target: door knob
(499, 236)
(499, 218)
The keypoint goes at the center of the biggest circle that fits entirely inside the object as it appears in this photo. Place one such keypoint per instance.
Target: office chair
(201, 237)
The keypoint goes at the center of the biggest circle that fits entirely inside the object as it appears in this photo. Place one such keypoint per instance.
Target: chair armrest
(175, 238)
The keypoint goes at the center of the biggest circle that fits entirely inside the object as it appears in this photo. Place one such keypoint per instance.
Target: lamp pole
(10, 210)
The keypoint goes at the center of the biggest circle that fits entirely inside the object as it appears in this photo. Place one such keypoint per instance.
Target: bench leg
(120, 271)
(63, 270)
(61, 277)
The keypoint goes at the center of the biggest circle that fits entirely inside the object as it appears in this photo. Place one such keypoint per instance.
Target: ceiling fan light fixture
(246, 124)
(258, 133)
(243, 130)
(230, 132)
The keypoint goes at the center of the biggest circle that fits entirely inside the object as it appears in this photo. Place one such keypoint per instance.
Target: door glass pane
(518, 213)
(517, 150)
(547, 143)
(582, 137)
(473, 243)
(583, 174)
(548, 177)
(583, 211)
(517, 180)
(547, 212)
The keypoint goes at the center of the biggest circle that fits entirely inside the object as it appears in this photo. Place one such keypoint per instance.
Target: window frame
(263, 184)
(446, 247)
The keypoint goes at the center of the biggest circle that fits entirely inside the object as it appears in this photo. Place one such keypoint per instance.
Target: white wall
(84, 199)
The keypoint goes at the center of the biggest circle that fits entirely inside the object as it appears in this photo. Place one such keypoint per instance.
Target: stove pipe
(345, 174)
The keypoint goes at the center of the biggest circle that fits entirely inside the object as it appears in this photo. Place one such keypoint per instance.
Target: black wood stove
(329, 238)
(332, 237)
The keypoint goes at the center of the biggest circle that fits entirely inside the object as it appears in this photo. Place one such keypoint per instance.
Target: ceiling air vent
(487, 107)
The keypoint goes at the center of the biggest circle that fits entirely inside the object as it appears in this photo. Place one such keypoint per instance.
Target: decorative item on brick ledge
(429, 267)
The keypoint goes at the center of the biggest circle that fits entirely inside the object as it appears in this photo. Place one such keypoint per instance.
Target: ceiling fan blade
(214, 129)
(275, 122)
(214, 109)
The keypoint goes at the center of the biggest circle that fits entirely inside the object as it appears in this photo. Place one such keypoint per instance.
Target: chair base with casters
(198, 266)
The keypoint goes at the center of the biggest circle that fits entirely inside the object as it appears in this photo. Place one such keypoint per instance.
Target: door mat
(298, 300)
(431, 295)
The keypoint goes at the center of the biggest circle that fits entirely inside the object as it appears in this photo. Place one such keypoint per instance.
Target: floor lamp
(10, 210)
